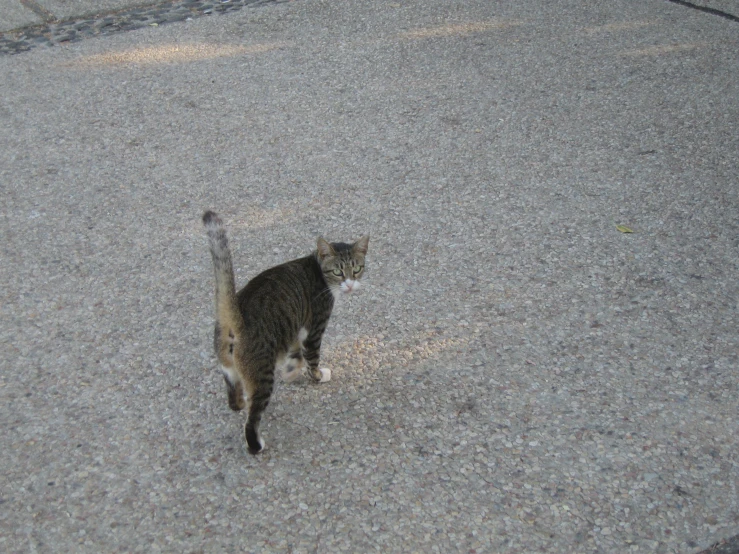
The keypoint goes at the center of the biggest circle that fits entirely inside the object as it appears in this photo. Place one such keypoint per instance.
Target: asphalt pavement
(544, 356)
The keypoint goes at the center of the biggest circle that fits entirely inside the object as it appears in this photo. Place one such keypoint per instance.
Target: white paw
(325, 374)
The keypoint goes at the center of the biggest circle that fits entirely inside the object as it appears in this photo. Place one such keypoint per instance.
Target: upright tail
(229, 322)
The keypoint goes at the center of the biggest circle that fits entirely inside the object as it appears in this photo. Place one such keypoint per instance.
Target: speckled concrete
(516, 375)
(14, 15)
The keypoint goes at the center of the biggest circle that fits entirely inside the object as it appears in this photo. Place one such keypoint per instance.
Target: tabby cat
(277, 320)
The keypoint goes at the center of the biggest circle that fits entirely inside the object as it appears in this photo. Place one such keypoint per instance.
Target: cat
(277, 320)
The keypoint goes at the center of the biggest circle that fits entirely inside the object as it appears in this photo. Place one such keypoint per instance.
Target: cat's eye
(358, 269)
(338, 272)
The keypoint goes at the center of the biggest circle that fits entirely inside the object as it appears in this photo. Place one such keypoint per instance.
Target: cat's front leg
(312, 355)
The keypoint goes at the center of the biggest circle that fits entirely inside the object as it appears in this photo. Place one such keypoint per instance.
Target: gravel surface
(730, 546)
(516, 375)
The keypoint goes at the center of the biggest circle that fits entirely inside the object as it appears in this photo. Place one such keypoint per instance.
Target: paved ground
(516, 376)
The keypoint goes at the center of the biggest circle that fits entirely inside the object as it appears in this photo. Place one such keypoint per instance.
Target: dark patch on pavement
(54, 31)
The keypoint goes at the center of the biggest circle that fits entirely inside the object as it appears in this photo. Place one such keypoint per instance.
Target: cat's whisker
(324, 293)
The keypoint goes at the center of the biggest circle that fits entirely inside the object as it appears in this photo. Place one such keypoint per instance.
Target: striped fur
(277, 319)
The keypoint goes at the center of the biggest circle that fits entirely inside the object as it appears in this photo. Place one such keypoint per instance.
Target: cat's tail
(229, 322)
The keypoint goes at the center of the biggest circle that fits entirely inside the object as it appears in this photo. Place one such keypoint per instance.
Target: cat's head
(342, 264)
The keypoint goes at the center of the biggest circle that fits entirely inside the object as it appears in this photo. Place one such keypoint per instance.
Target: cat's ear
(325, 250)
(361, 245)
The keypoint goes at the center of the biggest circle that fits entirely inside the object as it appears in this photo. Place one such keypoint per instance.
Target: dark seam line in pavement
(40, 11)
(712, 11)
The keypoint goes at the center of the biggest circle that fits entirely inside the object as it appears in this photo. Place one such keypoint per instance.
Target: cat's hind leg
(224, 343)
(234, 388)
(259, 383)
(293, 362)
(293, 365)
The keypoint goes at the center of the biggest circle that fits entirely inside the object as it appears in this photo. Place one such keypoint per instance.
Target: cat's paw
(325, 374)
(254, 441)
(257, 448)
